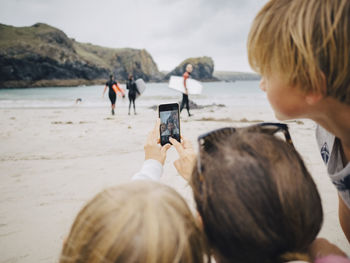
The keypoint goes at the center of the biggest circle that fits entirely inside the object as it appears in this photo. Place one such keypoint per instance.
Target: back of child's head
(257, 200)
(137, 222)
(305, 42)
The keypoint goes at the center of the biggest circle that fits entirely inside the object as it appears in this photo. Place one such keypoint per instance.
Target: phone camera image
(169, 123)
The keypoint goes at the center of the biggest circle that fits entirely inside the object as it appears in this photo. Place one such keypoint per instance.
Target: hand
(187, 158)
(321, 247)
(152, 148)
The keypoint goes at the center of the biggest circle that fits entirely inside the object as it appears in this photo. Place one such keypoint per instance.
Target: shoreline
(63, 83)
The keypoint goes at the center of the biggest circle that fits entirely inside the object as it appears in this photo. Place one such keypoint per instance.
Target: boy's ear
(313, 97)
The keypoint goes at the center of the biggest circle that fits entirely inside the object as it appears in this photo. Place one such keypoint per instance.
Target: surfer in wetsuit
(113, 89)
(186, 75)
(131, 86)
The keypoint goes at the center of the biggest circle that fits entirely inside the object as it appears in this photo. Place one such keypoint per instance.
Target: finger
(156, 129)
(183, 139)
(187, 144)
(153, 135)
(165, 148)
(179, 148)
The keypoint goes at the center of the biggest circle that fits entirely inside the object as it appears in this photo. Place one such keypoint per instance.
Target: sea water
(240, 93)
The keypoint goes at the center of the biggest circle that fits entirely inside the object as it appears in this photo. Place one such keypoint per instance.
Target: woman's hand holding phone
(152, 148)
(187, 158)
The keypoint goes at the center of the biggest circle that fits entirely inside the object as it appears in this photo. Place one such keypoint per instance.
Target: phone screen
(169, 122)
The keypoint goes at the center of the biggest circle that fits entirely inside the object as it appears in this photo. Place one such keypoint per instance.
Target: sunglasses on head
(206, 141)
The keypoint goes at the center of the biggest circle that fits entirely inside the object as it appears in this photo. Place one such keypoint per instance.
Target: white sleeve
(151, 170)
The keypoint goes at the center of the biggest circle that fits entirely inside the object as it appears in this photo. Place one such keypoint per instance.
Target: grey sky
(171, 30)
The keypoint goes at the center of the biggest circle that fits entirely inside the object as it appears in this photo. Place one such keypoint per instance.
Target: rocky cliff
(203, 68)
(42, 55)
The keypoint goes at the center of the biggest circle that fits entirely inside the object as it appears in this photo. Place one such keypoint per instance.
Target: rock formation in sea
(203, 68)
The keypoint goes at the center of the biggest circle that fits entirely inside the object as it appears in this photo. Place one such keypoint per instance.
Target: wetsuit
(131, 86)
(186, 75)
(111, 93)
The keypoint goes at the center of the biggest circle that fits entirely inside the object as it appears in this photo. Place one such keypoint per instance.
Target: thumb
(179, 148)
(165, 148)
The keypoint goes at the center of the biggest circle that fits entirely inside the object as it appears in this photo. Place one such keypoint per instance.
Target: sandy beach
(53, 160)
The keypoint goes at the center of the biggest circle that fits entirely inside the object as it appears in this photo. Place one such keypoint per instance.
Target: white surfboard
(141, 86)
(193, 86)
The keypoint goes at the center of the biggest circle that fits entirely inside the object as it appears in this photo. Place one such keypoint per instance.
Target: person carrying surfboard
(113, 90)
(186, 75)
(133, 91)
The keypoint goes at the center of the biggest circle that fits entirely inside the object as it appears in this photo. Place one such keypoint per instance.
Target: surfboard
(118, 90)
(193, 86)
(141, 86)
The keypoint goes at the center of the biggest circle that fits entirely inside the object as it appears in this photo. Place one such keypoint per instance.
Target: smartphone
(169, 122)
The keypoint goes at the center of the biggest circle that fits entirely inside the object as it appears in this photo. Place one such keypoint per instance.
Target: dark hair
(111, 76)
(257, 200)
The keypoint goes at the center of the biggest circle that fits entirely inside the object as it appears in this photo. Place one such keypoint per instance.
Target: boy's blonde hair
(136, 222)
(306, 42)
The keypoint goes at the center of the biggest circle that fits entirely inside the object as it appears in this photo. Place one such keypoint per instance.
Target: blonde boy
(302, 50)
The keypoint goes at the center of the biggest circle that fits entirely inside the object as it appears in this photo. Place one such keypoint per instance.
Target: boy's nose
(262, 84)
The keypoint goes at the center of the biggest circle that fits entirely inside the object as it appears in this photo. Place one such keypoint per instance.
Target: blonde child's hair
(137, 222)
(305, 42)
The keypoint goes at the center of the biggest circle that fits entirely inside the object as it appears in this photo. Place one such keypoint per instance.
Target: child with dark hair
(257, 200)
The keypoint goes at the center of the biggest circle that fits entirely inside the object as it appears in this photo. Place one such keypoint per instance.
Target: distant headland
(41, 55)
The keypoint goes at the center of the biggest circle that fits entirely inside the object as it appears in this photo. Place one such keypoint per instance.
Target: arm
(154, 157)
(151, 170)
(344, 217)
(321, 248)
(137, 90)
(332, 259)
(104, 91)
(185, 80)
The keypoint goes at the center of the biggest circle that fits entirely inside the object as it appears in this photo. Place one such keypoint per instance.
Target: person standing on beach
(133, 91)
(186, 75)
(113, 89)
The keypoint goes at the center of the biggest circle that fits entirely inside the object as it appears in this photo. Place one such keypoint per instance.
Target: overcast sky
(170, 30)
